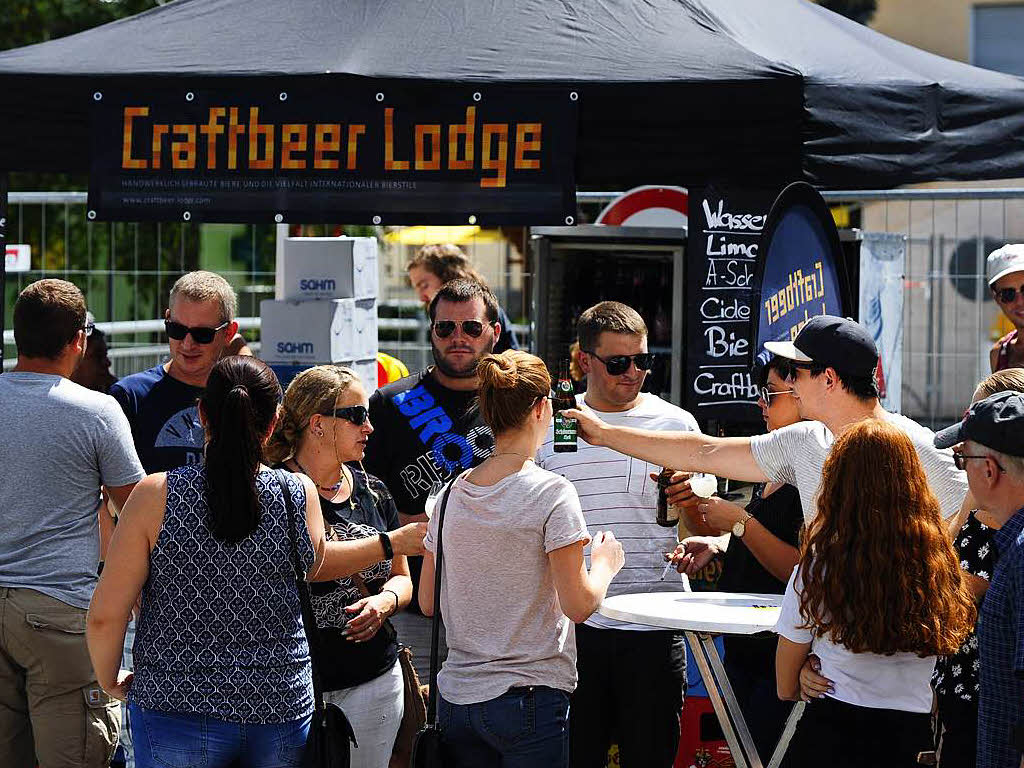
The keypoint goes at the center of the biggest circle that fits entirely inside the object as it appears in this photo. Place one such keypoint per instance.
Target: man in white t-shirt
(631, 677)
(833, 364)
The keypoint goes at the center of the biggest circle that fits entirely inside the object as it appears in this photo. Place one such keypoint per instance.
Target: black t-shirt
(164, 416)
(781, 514)
(423, 433)
(346, 663)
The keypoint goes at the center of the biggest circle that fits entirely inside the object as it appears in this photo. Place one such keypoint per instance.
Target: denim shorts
(178, 740)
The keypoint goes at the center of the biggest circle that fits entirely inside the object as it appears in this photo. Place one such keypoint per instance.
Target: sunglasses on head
(1007, 295)
(619, 364)
(472, 328)
(357, 414)
(200, 334)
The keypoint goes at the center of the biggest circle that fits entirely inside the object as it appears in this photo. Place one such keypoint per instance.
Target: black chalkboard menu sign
(724, 235)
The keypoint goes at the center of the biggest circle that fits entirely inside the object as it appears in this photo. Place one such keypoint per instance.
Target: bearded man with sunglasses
(631, 677)
(1005, 273)
(161, 403)
(426, 428)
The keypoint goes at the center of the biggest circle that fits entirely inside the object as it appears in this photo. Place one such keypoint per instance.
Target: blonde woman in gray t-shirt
(514, 582)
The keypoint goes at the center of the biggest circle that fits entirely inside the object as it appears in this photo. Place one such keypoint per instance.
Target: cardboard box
(311, 332)
(327, 268)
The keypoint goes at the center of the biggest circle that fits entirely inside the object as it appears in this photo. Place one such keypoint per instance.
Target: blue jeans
(178, 740)
(522, 728)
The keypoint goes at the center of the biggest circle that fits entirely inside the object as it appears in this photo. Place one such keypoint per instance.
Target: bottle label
(565, 429)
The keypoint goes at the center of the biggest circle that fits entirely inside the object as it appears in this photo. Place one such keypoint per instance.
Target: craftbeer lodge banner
(800, 271)
(366, 152)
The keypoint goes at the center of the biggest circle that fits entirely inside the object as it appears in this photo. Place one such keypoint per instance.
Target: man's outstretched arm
(688, 451)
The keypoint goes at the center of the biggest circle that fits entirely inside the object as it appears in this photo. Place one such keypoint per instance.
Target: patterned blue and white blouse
(220, 632)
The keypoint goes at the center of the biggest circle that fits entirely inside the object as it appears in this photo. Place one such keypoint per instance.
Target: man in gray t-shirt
(61, 442)
(832, 375)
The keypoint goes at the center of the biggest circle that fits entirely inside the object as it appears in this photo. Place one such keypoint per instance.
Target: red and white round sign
(648, 206)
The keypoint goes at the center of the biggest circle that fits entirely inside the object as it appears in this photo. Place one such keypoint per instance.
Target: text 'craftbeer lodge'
(230, 140)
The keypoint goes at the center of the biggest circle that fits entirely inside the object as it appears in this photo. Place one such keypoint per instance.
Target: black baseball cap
(835, 342)
(997, 422)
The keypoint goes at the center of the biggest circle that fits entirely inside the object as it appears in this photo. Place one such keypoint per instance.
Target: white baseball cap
(1004, 261)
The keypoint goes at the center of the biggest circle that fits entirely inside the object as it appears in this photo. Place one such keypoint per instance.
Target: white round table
(700, 615)
(733, 613)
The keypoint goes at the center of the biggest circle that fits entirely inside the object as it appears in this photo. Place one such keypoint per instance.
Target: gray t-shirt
(796, 455)
(501, 614)
(60, 443)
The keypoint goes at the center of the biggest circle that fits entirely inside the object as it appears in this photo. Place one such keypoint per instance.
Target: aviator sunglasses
(357, 414)
(472, 328)
(1007, 295)
(767, 394)
(200, 334)
(619, 364)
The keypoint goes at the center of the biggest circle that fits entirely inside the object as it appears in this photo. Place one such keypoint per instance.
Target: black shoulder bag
(427, 751)
(330, 733)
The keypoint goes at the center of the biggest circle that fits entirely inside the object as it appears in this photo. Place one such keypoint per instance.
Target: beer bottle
(668, 517)
(565, 428)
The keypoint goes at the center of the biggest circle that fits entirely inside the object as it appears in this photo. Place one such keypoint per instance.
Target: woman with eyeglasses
(214, 551)
(877, 595)
(324, 425)
(758, 550)
(513, 581)
(1005, 273)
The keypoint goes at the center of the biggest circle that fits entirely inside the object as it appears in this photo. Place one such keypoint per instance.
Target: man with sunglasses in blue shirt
(161, 402)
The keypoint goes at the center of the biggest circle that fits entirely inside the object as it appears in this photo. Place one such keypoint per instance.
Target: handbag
(427, 748)
(330, 734)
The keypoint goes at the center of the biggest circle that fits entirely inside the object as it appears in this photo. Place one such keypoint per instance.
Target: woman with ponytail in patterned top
(222, 665)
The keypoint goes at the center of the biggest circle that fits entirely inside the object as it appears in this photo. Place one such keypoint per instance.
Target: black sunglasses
(472, 328)
(89, 328)
(1007, 295)
(357, 414)
(619, 364)
(960, 460)
(200, 334)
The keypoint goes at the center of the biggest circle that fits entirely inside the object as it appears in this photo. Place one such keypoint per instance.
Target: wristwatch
(385, 543)
(740, 527)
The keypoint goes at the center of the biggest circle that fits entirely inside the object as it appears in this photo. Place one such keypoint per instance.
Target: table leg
(787, 734)
(731, 703)
(726, 708)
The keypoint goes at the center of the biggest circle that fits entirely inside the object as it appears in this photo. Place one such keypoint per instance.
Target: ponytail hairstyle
(510, 385)
(239, 404)
(316, 390)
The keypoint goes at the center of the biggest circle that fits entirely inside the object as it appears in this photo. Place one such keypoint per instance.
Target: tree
(860, 11)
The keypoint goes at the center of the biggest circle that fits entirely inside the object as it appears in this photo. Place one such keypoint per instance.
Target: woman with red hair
(877, 595)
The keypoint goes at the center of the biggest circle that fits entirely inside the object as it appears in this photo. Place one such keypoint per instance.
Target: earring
(319, 433)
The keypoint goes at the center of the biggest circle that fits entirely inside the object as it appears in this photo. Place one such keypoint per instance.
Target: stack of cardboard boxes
(325, 310)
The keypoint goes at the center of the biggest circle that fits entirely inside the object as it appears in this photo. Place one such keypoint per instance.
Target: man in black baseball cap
(989, 444)
(825, 343)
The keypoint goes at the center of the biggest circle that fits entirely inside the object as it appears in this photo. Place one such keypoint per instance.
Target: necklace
(512, 453)
(332, 489)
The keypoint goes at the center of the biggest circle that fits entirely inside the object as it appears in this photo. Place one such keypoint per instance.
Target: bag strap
(435, 622)
(308, 617)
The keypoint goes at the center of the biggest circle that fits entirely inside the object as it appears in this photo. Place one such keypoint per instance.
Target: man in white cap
(1005, 273)
(833, 361)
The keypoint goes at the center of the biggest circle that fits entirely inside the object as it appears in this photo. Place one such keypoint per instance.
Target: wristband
(385, 542)
(395, 609)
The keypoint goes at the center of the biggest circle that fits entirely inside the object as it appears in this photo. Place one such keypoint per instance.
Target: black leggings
(839, 735)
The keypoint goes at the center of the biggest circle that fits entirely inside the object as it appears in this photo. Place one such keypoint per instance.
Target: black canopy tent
(672, 91)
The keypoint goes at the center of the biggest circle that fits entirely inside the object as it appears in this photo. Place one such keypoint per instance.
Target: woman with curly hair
(877, 595)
